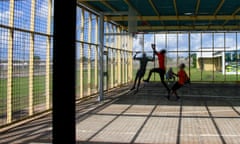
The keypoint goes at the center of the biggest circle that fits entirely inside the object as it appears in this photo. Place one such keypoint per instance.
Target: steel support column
(101, 51)
(64, 68)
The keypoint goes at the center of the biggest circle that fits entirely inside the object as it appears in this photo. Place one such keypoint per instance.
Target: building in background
(225, 60)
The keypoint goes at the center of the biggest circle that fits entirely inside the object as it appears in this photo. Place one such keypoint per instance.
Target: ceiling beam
(174, 18)
(130, 5)
(236, 11)
(175, 7)
(88, 5)
(219, 27)
(197, 7)
(91, 0)
(154, 7)
(233, 14)
(108, 5)
(219, 7)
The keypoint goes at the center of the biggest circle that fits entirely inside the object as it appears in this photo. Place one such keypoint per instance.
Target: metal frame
(197, 7)
(177, 18)
(89, 55)
(219, 7)
(31, 31)
(108, 6)
(10, 58)
(64, 69)
(81, 54)
(175, 7)
(31, 55)
(47, 80)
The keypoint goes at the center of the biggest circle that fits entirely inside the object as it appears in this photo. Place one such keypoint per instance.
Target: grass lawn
(20, 92)
(197, 75)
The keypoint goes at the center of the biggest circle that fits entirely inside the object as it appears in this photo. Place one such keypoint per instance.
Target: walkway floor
(205, 114)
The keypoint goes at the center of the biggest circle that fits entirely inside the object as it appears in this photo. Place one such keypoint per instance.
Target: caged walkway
(205, 114)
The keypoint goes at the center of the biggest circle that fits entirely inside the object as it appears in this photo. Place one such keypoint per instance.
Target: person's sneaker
(146, 81)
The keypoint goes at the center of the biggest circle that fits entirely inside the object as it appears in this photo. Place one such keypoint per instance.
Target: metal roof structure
(171, 15)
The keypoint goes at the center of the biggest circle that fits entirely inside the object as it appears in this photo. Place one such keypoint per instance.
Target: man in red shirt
(162, 69)
(182, 79)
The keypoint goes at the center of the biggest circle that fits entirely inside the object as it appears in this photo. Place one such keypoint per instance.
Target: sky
(209, 40)
(22, 13)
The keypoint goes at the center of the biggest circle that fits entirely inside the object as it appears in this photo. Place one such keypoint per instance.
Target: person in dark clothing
(141, 71)
(161, 70)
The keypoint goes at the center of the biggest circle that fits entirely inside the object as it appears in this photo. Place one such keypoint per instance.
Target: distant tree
(85, 59)
(234, 56)
(36, 59)
(194, 60)
(228, 57)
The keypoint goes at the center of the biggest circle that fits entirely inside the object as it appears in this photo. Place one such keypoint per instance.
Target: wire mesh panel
(217, 61)
(51, 72)
(114, 62)
(41, 15)
(93, 60)
(109, 68)
(231, 57)
(39, 73)
(78, 45)
(20, 75)
(85, 68)
(209, 56)
(122, 67)
(23, 55)
(3, 73)
(4, 9)
(22, 14)
(195, 63)
(78, 24)
(238, 56)
(115, 59)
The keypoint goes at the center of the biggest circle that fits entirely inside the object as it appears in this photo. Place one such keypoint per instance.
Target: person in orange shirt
(182, 79)
(161, 69)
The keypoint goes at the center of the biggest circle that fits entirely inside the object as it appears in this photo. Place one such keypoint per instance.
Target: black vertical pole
(64, 72)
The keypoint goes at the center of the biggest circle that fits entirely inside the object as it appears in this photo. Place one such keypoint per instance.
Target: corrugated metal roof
(172, 15)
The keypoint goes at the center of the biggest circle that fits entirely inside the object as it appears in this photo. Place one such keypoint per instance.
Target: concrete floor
(205, 114)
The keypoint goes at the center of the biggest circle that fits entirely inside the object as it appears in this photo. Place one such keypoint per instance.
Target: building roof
(206, 52)
(171, 15)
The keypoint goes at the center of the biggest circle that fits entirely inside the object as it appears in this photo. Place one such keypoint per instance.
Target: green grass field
(20, 91)
(198, 76)
(20, 84)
